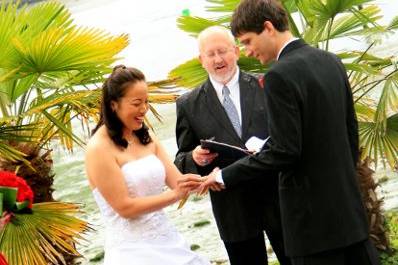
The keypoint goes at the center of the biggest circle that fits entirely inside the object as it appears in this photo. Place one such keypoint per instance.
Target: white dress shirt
(284, 46)
(233, 86)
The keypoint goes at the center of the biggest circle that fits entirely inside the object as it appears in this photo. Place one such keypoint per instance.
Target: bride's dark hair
(113, 89)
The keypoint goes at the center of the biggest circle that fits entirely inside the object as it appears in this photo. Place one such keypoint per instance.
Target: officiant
(229, 107)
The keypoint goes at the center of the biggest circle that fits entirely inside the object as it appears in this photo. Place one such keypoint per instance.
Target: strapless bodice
(144, 177)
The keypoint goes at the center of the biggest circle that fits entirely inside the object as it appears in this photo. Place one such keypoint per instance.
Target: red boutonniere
(3, 260)
(15, 193)
(261, 81)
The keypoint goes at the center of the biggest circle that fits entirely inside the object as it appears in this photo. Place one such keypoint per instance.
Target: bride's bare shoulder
(100, 141)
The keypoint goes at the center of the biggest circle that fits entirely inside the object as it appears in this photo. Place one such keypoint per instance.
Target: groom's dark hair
(113, 89)
(250, 16)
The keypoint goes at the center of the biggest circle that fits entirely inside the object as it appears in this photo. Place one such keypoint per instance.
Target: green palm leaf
(194, 25)
(61, 50)
(47, 65)
(393, 24)
(252, 65)
(17, 133)
(189, 74)
(330, 8)
(365, 112)
(42, 237)
(347, 25)
(380, 142)
(388, 100)
(222, 5)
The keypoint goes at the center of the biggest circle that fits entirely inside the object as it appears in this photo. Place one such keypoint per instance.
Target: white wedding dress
(149, 239)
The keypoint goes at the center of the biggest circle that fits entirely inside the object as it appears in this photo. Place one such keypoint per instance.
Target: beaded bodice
(144, 177)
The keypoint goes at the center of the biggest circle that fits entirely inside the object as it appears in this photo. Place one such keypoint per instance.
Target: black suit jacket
(314, 142)
(200, 115)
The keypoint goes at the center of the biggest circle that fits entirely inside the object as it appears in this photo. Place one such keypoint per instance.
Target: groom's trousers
(253, 251)
(362, 253)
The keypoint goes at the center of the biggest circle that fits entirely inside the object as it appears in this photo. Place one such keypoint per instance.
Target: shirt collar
(284, 46)
(233, 83)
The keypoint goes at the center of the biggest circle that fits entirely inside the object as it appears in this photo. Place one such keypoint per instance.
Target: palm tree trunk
(39, 175)
(373, 205)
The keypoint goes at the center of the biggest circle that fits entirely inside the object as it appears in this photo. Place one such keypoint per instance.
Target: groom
(313, 142)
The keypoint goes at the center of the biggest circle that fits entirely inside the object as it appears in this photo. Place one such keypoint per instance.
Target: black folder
(224, 150)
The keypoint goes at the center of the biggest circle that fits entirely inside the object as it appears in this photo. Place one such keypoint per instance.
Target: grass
(391, 257)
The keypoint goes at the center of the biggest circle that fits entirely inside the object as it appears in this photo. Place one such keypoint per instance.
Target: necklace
(129, 142)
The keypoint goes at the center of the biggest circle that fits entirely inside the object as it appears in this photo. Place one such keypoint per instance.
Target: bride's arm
(173, 175)
(105, 174)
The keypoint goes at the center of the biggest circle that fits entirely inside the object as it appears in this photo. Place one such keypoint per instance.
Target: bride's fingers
(190, 184)
(190, 177)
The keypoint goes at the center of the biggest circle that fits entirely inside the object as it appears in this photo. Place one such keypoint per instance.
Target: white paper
(255, 144)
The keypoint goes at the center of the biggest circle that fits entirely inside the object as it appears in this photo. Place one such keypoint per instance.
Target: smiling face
(219, 55)
(132, 107)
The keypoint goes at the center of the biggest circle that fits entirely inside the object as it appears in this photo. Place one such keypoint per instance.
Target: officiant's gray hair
(212, 30)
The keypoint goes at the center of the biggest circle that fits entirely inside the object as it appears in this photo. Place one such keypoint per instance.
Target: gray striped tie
(231, 110)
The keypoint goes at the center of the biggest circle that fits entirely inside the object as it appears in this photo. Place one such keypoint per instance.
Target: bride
(127, 170)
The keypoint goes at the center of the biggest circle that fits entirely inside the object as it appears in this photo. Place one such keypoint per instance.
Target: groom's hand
(211, 183)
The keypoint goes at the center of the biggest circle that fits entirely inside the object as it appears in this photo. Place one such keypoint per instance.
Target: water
(157, 46)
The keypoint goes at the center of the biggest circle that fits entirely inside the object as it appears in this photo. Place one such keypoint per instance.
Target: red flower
(261, 81)
(25, 193)
(9, 179)
(3, 260)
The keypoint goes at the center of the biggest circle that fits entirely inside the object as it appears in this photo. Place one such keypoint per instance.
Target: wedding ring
(205, 162)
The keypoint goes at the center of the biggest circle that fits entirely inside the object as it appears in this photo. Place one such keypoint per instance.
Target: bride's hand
(187, 183)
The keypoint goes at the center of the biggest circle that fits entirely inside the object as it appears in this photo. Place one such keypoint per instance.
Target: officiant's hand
(210, 183)
(203, 157)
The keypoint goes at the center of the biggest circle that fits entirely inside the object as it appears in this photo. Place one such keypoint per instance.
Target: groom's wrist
(219, 178)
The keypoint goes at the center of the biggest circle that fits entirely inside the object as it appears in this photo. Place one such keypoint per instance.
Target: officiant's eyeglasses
(220, 52)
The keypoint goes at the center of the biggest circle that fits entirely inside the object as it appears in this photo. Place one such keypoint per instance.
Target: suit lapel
(217, 110)
(247, 95)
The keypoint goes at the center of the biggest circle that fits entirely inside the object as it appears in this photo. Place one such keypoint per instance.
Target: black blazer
(200, 115)
(314, 142)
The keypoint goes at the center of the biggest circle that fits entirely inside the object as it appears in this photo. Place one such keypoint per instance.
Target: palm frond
(388, 101)
(189, 74)
(330, 8)
(162, 98)
(61, 50)
(8, 152)
(227, 6)
(43, 236)
(347, 25)
(8, 28)
(379, 142)
(194, 25)
(365, 112)
(250, 64)
(393, 24)
(19, 133)
(40, 17)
